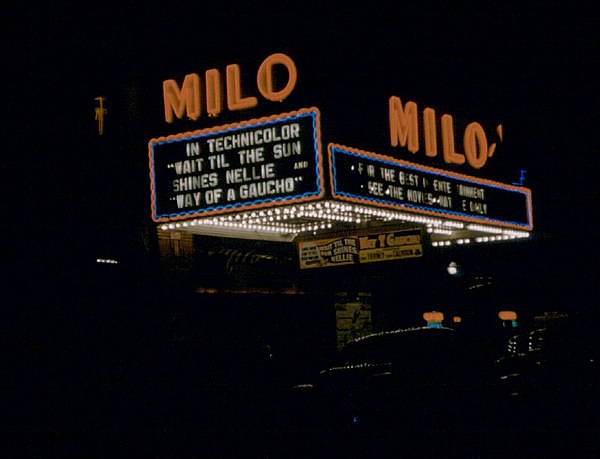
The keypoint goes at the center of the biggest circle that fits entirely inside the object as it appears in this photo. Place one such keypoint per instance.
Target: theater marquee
(268, 177)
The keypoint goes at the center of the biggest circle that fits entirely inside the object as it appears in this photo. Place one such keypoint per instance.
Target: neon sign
(404, 132)
(370, 178)
(248, 165)
(187, 99)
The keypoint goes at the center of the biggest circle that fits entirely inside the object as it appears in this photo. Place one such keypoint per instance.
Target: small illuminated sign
(253, 164)
(365, 248)
(371, 178)
(393, 245)
(329, 252)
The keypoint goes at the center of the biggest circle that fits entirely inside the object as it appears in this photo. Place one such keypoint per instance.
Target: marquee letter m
(404, 125)
(188, 98)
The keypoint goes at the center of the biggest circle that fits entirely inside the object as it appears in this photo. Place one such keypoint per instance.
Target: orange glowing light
(430, 132)
(404, 125)
(476, 145)
(187, 99)
(507, 315)
(235, 101)
(433, 317)
(264, 77)
(213, 92)
(457, 319)
(404, 132)
(100, 114)
(450, 155)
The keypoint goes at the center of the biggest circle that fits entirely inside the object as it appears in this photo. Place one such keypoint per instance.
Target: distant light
(434, 319)
(303, 386)
(110, 261)
(452, 269)
(507, 315)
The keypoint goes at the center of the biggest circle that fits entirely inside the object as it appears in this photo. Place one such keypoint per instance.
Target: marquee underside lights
(264, 179)
(312, 220)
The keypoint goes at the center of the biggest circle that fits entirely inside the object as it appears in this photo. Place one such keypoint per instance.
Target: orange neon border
(380, 157)
(246, 123)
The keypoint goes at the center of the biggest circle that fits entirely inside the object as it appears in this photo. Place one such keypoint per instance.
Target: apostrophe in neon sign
(404, 132)
(186, 100)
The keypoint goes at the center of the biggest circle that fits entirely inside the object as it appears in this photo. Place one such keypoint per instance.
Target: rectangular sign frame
(369, 178)
(185, 182)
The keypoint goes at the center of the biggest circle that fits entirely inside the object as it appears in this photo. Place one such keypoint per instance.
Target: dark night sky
(532, 68)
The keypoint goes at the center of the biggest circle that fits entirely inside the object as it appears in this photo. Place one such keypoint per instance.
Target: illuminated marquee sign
(274, 160)
(366, 248)
(188, 99)
(405, 132)
(364, 177)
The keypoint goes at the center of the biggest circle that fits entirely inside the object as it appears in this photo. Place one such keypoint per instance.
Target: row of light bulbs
(503, 237)
(286, 220)
(109, 261)
(282, 219)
